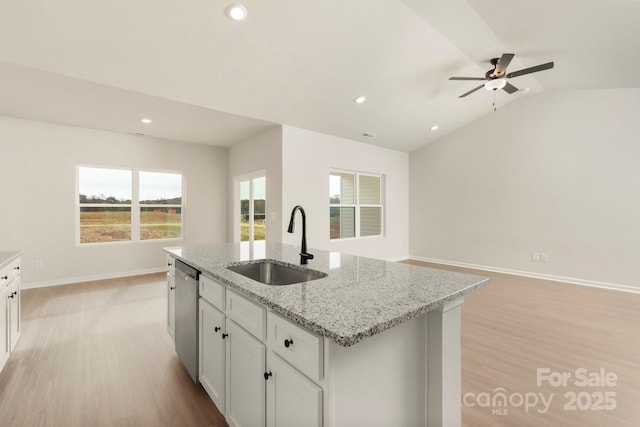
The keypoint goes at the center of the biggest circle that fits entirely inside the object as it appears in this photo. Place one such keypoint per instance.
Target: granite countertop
(7, 257)
(359, 298)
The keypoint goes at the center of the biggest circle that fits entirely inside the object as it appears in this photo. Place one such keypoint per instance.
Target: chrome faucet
(304, 256)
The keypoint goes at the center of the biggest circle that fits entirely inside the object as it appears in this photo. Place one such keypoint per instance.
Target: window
(355, 204)
(251, 210)
(160, 205)
(109, 197)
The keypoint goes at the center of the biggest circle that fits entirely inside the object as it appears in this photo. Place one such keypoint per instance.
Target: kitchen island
(387, 335)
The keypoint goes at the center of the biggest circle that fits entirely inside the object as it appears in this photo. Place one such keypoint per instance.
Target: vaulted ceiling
(207, 79)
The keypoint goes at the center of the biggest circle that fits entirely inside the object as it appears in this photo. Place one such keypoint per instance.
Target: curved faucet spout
(304, 256)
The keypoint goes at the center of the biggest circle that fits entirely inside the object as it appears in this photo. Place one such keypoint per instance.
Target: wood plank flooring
(98, 354)
(515, 325)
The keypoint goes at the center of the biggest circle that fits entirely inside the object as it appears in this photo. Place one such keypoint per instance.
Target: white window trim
(134, 206)
(357, 204)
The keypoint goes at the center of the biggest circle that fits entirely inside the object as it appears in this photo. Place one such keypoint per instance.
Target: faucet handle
(305, 256)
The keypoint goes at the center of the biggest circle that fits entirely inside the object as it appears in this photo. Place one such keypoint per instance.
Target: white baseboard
(398, 258)
(69, 280)
(563, 279)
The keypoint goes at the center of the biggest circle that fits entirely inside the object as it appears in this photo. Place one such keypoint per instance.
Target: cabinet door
(171, 305)
(4, 326)
(245, 378)
(212, 353)
(14, 312)
(292, 399)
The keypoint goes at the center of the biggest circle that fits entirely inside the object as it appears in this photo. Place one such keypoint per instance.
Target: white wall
(37, 213)
(557, 173)
(263, 152)
(307, 159)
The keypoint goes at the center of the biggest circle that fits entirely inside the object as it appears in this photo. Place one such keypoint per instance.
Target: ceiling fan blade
(467, 78)
(530, 70)
(509, 88)
(471, 91)
(502, 64)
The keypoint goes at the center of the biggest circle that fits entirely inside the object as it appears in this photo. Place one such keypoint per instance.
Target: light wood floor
(515, 325)
(98, 354)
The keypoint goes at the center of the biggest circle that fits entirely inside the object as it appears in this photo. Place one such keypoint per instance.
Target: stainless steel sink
(275, 273)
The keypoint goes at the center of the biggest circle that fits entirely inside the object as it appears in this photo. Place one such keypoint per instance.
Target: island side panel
(443, 365)
(378, 381)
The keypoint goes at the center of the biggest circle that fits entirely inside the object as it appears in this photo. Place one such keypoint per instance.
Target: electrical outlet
(39, 263)
(535, 256)
(544, 257)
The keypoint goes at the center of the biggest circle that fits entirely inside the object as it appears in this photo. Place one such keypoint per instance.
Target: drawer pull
(171, 288)
(216, 329)
(288, 343)
(4, 277)
(169, 264)
(267, 375)
(16, 268)
(224, 336)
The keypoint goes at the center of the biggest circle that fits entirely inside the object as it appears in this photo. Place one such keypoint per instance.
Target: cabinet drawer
(296, 345)
(247, 314)
(171, 264)
(5, 277)
(13, 269)
(212, 291)
(9, 272)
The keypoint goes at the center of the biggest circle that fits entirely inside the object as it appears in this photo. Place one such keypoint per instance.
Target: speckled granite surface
(359, 298)
(7, 257)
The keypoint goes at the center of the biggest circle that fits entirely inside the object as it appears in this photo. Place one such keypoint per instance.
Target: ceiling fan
(497, 77)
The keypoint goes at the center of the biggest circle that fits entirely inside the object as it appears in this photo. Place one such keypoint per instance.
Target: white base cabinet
(245, 378)
(171, 297)
(292, 399)
(10, 324)
(213, 352)
(5, 345)
(248, 382)
(261, 370)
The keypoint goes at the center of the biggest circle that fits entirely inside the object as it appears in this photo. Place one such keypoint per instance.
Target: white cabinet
(212, 352)
(247, 389)
(5, 346)
(245, 378)
(13, 315)
(292, 399)
(9, 309)
(171, 297)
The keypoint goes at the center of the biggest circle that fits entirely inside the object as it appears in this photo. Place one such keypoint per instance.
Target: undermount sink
(275, 273)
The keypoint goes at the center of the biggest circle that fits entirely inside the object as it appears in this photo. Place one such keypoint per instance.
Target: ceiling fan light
(495, 84)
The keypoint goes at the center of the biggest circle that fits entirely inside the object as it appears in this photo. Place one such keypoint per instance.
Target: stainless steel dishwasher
(186, 337)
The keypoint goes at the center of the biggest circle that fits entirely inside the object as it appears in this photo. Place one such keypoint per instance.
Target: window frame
(357, 205)
(135, 206)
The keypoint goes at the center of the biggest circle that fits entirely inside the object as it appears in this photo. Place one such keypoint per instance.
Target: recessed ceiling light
(360, 99)
(236, 11)
(434, 127)
(146, 121)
